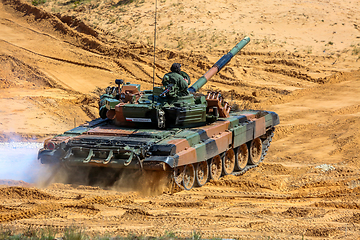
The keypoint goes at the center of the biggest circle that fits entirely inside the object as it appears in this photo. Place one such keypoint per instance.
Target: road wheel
(229, 162)
(110, 114)
(179, 175)
(215, 168)
(255, 151)
(201, 173)
(189, 177)
(242, 157)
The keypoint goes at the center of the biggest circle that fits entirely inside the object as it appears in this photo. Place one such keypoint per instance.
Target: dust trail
(146, 183)
(18, 160)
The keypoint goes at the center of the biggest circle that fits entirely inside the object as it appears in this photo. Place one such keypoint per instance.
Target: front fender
(47, 156)
(169, 160)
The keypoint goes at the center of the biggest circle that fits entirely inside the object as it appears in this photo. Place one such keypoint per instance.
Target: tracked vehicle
(194, 137)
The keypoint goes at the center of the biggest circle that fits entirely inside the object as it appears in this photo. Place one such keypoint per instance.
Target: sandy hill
(302, 62)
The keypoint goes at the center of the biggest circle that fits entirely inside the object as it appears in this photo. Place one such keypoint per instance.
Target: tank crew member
(177, 80)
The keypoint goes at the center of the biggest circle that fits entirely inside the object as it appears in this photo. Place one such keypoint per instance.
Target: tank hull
(101, 144)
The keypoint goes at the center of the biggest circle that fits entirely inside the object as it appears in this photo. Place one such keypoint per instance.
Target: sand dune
(302, 62)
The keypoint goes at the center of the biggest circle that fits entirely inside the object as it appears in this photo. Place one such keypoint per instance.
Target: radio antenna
(154, 48)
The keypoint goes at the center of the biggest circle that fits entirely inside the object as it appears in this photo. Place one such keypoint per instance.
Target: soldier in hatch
(176, 81)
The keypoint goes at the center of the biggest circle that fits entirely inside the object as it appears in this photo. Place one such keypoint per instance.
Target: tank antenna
(154, 49)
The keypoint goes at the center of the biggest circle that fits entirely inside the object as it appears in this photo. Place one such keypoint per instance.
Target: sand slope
(53, 65)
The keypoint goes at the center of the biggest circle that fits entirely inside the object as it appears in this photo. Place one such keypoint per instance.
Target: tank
(191, 137)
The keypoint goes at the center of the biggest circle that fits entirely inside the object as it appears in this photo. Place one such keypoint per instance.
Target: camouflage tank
(194, 137)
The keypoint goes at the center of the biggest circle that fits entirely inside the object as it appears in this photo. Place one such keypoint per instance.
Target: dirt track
(51, 68)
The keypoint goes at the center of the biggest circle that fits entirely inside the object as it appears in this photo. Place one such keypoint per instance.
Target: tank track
(265, 148)
(176, 187)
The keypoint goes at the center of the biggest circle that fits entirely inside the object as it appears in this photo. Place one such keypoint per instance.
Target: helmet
(176, 67)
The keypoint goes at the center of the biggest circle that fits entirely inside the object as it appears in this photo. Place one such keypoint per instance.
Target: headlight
(50, 145)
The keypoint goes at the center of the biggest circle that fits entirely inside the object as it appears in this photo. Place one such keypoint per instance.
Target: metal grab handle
(108, 159)
(68, 154)
(111, 154)
(127, 162)
(88, 158)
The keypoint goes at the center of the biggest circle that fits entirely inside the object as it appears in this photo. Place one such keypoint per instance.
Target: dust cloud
(18, 160)
(146, 183)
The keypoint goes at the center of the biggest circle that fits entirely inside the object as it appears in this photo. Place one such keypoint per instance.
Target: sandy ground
(303, 63)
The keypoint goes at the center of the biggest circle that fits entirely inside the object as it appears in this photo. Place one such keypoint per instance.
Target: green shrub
(38, 2)
(74, 233)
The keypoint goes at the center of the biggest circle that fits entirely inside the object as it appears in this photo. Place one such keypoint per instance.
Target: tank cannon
(219, 65)
(192, 138)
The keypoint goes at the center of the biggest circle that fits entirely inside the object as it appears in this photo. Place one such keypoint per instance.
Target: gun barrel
(218, 65)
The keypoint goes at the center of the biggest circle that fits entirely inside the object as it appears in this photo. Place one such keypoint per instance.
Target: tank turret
(126, 105)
